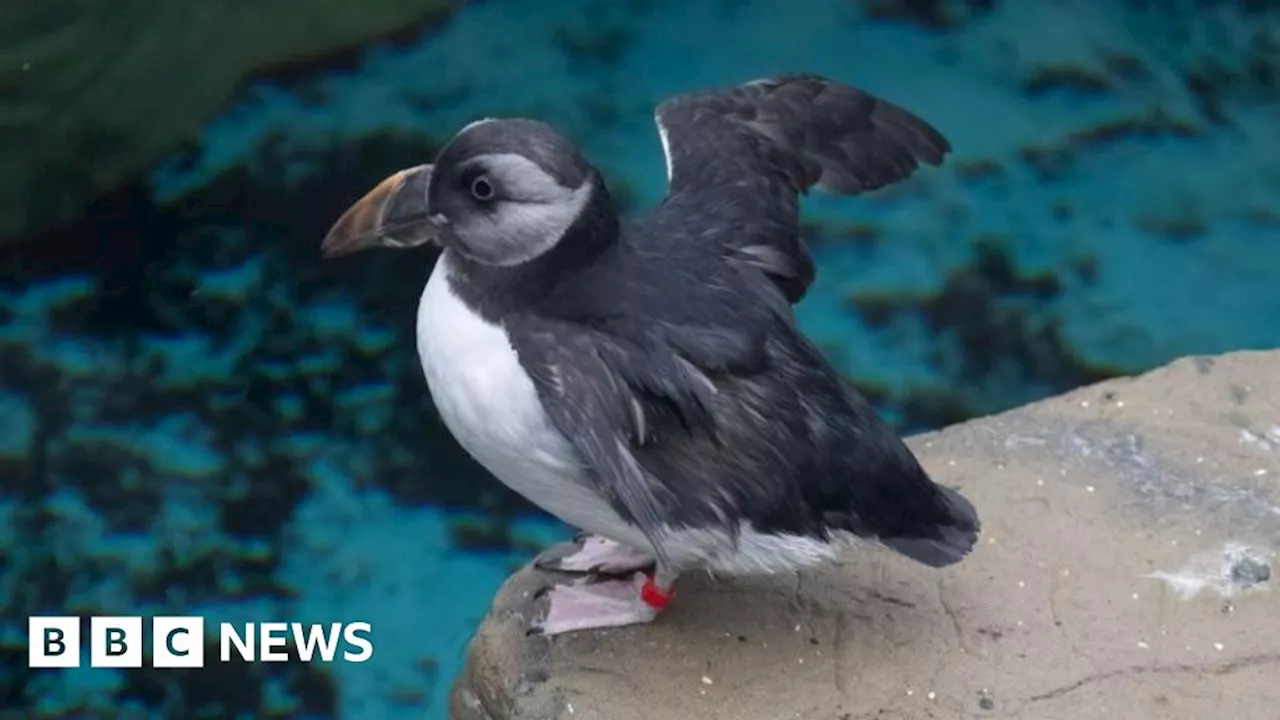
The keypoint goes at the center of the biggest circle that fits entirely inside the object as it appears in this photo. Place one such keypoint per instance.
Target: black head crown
(504, 192)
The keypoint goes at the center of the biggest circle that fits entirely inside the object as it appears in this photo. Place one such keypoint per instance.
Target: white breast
(490, 405)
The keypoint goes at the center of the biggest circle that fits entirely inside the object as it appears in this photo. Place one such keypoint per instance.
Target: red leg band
(652, 596)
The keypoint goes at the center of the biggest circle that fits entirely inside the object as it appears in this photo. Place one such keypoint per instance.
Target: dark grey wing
(605, 393)
(674, 443)
(756, 147)
(805, 128)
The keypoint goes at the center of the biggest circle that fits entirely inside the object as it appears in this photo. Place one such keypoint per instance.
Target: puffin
(644, 378)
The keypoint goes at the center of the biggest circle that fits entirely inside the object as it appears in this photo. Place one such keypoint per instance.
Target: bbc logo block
(176, 642)
(179, 642)
(115, 642)
(53, 642)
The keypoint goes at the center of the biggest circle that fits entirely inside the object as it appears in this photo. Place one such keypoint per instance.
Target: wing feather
(762, 144)
(599, 390)
(811, 130)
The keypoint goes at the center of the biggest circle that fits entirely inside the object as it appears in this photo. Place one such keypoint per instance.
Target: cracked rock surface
(1125, 571)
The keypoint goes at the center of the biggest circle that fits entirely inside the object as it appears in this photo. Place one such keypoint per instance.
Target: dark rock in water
(94, 93)
(931, 14)
(992, 335)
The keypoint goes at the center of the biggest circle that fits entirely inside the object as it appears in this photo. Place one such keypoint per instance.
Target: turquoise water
(198, 416)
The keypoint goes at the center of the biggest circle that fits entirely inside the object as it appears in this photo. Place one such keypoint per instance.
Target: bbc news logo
(179, 642)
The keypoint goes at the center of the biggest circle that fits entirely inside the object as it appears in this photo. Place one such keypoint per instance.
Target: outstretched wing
(756, 147)
(804, 128)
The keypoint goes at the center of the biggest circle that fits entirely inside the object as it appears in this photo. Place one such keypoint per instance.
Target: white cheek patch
(522, 180)
(532, 212)
(531, 229)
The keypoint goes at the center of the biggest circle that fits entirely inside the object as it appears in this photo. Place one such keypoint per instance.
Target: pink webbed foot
(602, 556)
(605, 604)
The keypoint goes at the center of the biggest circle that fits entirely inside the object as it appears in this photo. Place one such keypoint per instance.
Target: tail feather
(952, 541)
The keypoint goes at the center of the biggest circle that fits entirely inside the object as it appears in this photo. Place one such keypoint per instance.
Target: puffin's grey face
(502, 192)
(506, 191)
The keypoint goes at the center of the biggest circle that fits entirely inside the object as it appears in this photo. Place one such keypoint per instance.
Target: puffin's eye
(481, 188)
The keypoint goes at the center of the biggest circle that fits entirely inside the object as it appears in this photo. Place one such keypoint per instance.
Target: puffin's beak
(392, 214)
